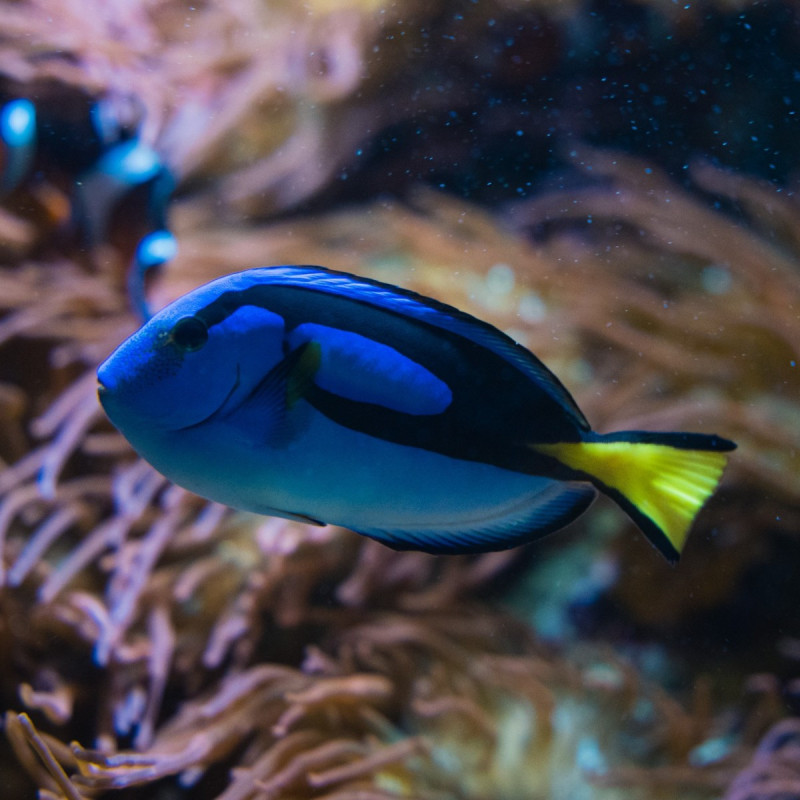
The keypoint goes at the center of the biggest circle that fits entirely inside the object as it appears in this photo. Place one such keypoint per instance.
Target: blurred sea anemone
(152, 642)
(774, 771)
(223, 640)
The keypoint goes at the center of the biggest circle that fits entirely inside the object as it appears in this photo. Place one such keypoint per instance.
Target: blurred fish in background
(18, 138)
(87, 165)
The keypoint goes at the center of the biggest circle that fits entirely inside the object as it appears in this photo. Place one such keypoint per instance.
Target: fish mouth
(105, 382)
(105, 385)
(103, 394)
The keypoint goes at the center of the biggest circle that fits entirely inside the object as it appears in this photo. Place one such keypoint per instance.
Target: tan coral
(301, 662)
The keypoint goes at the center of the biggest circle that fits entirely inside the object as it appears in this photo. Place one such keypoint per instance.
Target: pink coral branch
(41, 539)
(370, 763)
(40, 747)
(162, 647)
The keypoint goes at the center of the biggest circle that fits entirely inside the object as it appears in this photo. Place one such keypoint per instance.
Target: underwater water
(611, 184)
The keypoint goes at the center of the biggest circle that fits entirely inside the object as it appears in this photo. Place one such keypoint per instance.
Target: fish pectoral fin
(290, 378)
(303, 364)
(266, 407)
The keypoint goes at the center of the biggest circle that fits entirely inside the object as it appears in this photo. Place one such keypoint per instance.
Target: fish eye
(189, 334)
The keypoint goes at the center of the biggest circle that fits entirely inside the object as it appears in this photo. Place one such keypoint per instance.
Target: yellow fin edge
(667, 484)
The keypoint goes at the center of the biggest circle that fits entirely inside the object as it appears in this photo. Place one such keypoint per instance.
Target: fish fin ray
(660, 480)
(294, 516)
(561, 504)
(302, 371)
(266, 407)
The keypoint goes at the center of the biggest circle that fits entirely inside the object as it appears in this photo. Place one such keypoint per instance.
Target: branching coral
(200, 621)
(238, 657)
(258, 707)
(774, 773)
(225, 642)
(419, 706)
(273, 99)
(687, 290)
(233, 88)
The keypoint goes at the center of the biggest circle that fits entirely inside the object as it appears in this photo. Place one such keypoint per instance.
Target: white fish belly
(339, 476)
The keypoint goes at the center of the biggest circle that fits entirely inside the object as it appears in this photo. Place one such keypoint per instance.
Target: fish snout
(107, 384)
(105, 381)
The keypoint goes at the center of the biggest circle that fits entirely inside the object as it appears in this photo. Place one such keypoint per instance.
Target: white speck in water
(589, 756)
(500, 279)
(716, 279)
(531, 308)
(711, 751)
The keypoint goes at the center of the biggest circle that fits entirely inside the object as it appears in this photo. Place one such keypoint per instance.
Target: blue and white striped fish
(324, 397)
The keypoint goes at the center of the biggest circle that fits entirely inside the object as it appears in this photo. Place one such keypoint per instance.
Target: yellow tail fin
(661, 480)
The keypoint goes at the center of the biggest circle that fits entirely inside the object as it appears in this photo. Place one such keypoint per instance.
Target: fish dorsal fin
(432, 312)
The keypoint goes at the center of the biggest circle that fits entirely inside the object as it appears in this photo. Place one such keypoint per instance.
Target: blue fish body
(324, 397)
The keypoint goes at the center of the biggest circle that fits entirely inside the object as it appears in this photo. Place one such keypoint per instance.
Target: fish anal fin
(660, 480)
(295, 516)
(544, 512)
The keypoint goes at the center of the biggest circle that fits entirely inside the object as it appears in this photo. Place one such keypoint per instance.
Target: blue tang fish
(319, 396)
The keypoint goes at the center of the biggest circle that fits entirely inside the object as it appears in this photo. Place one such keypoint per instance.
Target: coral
(151, 641)
(307, 662)
(273, 103)
(694, 324)
(244, 89)
(443, 705)
(709, 302)
(774, 773)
